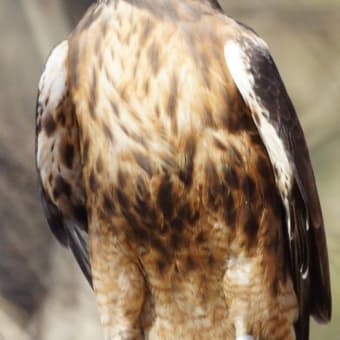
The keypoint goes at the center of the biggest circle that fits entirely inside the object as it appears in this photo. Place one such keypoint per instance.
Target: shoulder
(53, 81)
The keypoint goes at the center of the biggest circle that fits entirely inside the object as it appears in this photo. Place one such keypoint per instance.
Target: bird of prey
(171, 161)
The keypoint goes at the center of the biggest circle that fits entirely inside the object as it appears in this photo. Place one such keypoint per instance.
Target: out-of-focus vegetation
(43, 295)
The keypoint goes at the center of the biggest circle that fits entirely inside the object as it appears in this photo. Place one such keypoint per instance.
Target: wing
(258, 81)
(58, 159)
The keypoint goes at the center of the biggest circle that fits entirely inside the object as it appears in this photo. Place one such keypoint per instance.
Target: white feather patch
(52, 83)
(239, 270)
(52, 87)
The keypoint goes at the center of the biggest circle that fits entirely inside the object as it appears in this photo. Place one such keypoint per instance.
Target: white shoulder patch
(238, 62)
(52, 85)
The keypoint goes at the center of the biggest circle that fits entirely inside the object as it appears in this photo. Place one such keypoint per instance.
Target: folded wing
(58, 159)
(259, 83)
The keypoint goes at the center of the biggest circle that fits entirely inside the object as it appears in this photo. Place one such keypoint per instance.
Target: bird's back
(177, 171)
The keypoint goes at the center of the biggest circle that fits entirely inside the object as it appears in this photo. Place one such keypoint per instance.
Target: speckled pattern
(149, 155)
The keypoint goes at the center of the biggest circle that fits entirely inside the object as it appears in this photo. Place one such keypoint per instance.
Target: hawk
(171, 161)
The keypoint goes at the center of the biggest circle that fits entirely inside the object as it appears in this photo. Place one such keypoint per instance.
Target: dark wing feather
(68, 233)
(78, 242)
(54, 218)
(258, 80)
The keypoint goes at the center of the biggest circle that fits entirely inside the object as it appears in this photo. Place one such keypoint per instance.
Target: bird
(172, 163)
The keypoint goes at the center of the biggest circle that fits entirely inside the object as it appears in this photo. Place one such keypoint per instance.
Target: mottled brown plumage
(159, 168)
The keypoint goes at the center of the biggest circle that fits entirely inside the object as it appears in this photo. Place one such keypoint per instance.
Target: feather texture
(171, 162)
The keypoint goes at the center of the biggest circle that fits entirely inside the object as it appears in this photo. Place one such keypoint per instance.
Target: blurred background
(43, 295)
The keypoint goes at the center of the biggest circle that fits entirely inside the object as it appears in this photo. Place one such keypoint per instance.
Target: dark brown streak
(211, 173)
(161, 265)
(80, 214)
(121, 178)
(38, 125)
(157, 244)
(144, 162)
(93, 183)
(99, 165)
(123, 200)
(231, 178)
(49, 124)
(172, 102)
(249, 188)
(164, 197)
(73, 59)
(114, 107)
(86, 150)
(229, 210)
(219, 144)
(190, 263)
(67, 154)
(176, 240)
(147, 29)
(264, 168)
(108, 205)
(108, 133)
(235, 155)
(186, 174)
(61, 118)
(154, 57)
(61, 187)
(93, 94)
(251, 225)
(201, 238)
(140, 234)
